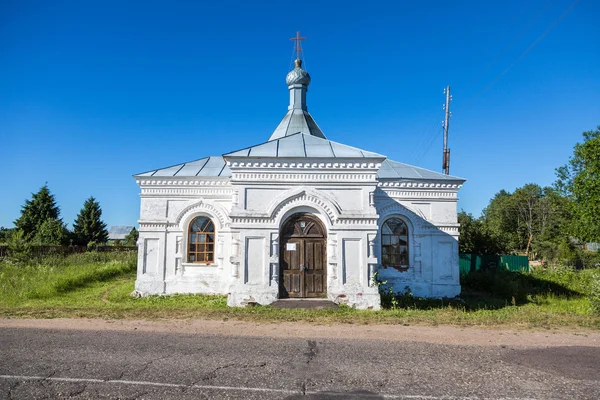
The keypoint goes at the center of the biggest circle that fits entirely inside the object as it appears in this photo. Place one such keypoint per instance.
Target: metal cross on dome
(298, 46)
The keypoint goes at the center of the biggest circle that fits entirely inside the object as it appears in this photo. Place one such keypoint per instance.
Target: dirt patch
(439, 334)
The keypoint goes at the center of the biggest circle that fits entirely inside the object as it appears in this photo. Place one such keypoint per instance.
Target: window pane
(386, 240)
(210, 238)
(192, 247)
(192, 257)
(205, 224)
(403, 230)
(386, 229)
(404, 258)
(209, 256)
(201, 238)
(201, 257)
(193, 238)
(201, 247)
(210, 247)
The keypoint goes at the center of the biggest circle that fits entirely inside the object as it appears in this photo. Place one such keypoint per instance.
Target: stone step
(308, 304)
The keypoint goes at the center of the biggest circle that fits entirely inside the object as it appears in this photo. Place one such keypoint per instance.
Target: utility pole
(446, 125)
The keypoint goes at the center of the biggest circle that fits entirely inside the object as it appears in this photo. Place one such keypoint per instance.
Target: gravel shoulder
(436, 335)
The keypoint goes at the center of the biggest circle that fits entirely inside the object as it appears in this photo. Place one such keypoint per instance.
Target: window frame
(401, 266)
(205, 252)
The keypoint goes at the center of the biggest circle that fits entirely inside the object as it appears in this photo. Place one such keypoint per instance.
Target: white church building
(298, 216)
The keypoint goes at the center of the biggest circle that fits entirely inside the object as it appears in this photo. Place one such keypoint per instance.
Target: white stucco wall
(249, 209)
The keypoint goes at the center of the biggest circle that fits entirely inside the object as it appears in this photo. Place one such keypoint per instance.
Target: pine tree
(88, 227)
(36, 211)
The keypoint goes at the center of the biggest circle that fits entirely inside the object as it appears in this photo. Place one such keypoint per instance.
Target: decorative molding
(417, 221)
(303, 177)
(420, 184)
(167, 181)
(413, 194)
(151, 225)
(183, 191)
(357, 221)
(304, 165)
(303, 197)
(204, 206)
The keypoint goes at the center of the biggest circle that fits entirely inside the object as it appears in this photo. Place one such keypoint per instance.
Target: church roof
(303, 145)
(207, 166)
(119, 232)
(298, 136)
(397, 170)
(297, 120)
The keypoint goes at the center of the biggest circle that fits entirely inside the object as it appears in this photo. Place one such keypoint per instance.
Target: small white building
(298, 216)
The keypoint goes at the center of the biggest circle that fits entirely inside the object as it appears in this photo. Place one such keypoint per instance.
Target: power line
(535, 42)
(498, 56)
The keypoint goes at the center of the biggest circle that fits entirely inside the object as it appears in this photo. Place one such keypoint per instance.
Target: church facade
(298, 216)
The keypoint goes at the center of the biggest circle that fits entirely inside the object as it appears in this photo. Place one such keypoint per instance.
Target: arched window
(201, 241)
(394, 244)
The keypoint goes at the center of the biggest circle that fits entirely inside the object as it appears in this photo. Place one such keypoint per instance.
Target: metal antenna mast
(446, 125)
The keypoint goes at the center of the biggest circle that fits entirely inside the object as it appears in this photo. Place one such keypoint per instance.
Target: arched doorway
(302, 257)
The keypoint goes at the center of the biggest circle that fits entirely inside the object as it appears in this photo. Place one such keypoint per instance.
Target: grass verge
(98, 285)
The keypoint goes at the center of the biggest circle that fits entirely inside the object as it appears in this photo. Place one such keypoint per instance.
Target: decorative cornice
(416, 194)
(186, 191)
(304, 165)
(420, 184)
(165, 181)
(302, 177)
(152, 224)
(357, 221)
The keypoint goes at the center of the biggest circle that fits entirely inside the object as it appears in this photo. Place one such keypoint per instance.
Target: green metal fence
(470, 262)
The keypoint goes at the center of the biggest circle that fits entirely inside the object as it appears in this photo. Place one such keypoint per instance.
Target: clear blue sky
(92, 92)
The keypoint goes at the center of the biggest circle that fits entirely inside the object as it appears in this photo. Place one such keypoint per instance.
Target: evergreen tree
(88, 226)
(132, 237)
(41, 207)
(52, 232)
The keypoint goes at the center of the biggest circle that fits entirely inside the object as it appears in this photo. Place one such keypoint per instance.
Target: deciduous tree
(579, 181)
(132, 237)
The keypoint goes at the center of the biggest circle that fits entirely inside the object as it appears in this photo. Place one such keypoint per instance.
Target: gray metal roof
(303, 145)
(119, 232)
(397, 170)
(208, 166)
(297, 120)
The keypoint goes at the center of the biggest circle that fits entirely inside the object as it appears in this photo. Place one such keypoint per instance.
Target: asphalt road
(48, 363)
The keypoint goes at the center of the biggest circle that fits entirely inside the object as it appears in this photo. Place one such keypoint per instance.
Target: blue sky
(96, 91)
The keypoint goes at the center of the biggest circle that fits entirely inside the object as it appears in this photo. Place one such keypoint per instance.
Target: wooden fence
(40, 251)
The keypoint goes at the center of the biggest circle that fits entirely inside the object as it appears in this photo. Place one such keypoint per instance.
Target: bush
(19, 248)
(595, 292)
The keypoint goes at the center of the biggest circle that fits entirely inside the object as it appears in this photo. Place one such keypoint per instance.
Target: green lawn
(98, 285)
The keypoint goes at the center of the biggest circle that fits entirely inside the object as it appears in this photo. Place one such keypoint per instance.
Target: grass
(98, 285)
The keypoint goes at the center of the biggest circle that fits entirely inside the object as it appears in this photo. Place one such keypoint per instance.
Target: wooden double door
(302, 264)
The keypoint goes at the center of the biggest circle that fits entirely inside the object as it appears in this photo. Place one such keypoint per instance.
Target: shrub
(594, 296)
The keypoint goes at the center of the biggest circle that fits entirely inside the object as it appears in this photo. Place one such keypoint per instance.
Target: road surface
(93, 359)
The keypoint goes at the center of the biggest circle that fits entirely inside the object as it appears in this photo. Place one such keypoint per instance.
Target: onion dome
(297, 76)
